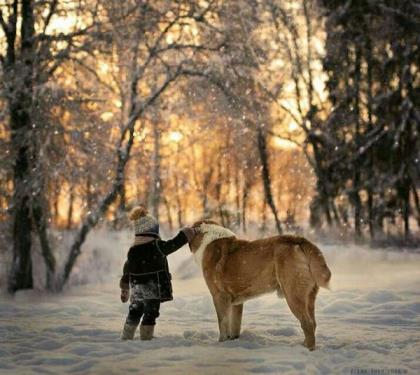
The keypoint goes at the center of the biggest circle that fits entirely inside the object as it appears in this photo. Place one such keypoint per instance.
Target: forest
(285, 116)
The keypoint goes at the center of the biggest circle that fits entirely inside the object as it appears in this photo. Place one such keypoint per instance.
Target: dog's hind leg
(311, 304)
(299, 308)
(222, 303)
(235, 321)
(298, 288)
(299, 305)
(300, 296)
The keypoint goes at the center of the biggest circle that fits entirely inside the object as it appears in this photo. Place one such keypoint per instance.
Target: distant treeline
(369, 144)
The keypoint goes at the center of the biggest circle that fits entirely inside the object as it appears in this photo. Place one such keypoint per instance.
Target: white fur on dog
(211, 233)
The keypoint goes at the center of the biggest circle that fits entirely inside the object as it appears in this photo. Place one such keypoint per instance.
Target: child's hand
(125, 294)
(190, 232)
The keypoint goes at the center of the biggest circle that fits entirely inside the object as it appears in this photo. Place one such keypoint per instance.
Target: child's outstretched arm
(185, 235)
(125, 283)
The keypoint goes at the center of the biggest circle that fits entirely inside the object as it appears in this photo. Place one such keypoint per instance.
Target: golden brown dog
(236, 270)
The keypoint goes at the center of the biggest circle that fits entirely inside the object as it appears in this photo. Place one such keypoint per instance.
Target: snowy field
(369, 322)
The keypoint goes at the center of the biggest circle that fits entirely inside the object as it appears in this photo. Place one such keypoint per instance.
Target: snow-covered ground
(369, 322)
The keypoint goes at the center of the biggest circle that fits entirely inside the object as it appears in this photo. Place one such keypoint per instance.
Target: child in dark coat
(146, 273)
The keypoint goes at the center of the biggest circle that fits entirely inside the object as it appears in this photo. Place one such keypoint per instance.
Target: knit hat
(144, 223)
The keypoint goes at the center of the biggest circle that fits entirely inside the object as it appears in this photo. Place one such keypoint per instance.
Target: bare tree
(34, 55)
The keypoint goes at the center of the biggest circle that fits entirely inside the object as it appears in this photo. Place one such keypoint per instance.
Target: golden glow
(103, 67)
(169, 39)
(283, 143)
(175, 136)
(106, 116)
(140, 135)
(293, 127)
(62, 24)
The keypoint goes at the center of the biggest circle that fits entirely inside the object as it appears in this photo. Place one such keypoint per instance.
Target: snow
(369, 321)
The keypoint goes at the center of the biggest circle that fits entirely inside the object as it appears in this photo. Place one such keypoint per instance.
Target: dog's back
(246, 269)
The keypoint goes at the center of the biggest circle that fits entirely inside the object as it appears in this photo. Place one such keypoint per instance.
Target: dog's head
(207, 232)
(198, 238)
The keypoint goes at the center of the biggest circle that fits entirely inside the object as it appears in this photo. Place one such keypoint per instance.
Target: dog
(236, 270)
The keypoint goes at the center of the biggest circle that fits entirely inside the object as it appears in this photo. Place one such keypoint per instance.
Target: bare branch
(285, 138)
(53, 7)
(275, 99)
(190, 46)
(94, 73)
(3, 23)
(65, 37)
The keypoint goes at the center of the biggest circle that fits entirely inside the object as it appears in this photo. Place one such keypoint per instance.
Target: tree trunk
(178, 203)
(320, 201)
(156, 187)
(356, 175)
(218, 188)
(70, 211)
(245, 195)
(56, 196)
(89, 195)
(335, 212)
(262, 150)
(357, 205)
(204, 194)
(263, 226)
(405, 198)
(119, 212)
(314, 212)
(20, 104)
(379, 218)
(21, 272)
(416, 202)
(370, 156)
(40, 222)
(123, 199)
(326, 207)
(169, 215)
(204, 205)
(177, 191)
(237, 199)
(371, 218)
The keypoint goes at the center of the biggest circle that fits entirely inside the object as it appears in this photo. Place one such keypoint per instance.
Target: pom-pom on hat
(143, 222)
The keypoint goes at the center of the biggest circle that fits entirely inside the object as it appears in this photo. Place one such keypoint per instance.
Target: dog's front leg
(236, 320)
(223, 307)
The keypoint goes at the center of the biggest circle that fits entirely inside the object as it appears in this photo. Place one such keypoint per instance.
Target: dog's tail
(317, 264)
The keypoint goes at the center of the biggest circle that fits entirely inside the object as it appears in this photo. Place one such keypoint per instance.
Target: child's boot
(146, 332)
(128, 332)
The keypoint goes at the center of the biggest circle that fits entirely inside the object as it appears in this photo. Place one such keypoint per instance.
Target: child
(146, 273)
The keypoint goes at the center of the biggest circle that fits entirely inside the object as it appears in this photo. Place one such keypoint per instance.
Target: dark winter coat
(146, 270)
